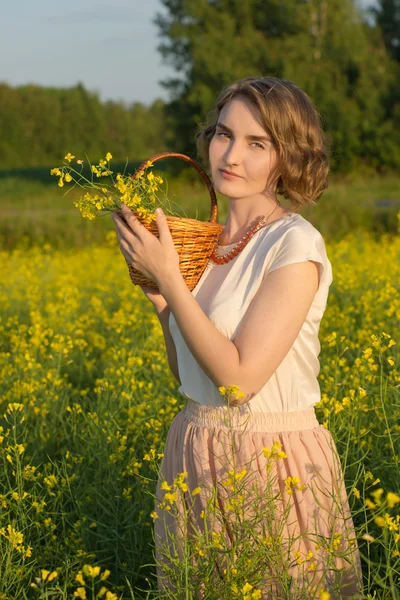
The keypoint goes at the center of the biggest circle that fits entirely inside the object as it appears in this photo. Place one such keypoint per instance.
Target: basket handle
(193, 163)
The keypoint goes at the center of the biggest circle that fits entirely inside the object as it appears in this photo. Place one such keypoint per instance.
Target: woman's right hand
(156, 298)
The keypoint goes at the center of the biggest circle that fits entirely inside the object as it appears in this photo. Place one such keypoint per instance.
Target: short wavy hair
(288, 114)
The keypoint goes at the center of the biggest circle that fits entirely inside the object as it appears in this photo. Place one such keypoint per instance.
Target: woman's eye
(227, 134)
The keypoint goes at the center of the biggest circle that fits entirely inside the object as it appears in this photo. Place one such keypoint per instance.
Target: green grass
(37, 213)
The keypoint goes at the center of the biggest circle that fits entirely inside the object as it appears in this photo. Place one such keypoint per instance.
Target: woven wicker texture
(194, 240)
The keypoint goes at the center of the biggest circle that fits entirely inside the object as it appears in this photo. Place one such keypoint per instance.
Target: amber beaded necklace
(261, 222)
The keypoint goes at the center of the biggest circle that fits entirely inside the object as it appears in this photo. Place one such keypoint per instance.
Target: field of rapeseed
(87, 398)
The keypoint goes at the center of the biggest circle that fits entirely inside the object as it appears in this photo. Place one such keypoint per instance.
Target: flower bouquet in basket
(194, 240)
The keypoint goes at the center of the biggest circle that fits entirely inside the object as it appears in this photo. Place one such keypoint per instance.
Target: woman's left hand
(156, 258)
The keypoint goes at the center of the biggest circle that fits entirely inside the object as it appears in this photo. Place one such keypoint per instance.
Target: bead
(242, 243)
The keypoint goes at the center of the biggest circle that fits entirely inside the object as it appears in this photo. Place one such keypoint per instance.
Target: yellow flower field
(87, 399)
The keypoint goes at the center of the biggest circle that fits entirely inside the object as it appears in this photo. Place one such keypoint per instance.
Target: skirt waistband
(241, 418)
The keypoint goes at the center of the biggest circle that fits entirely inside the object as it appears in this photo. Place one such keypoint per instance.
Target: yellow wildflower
(293, 481)
(247, 588)
(79, 578)
(392, 499)
(69, 157)
(276, 445)
(377, 495)
(105, 575)
(267, 452)
(179, 481)
(90, 571)
(217, 540)
(171, 497)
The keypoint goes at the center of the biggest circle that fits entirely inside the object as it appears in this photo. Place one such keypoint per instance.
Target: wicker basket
(194, 240)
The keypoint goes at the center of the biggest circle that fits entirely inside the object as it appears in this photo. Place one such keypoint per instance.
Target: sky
(110, 47)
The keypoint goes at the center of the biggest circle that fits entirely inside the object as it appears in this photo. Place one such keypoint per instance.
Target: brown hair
(288, 114)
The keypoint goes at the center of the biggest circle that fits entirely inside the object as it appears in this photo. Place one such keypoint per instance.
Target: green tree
(38, 126)
(387, 16)
(12, 137)
(325, 46)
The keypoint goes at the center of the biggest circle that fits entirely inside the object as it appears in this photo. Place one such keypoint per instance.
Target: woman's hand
(156, 258)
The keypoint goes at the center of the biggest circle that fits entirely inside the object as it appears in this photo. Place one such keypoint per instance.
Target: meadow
(87, 396)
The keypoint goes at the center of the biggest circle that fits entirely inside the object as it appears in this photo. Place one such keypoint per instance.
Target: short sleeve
(300, 244)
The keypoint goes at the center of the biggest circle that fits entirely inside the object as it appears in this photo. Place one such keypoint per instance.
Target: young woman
(252, 321)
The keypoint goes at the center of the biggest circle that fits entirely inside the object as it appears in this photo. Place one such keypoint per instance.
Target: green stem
(382, 392)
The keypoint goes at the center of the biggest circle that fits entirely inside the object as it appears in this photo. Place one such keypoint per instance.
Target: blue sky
(111, 47)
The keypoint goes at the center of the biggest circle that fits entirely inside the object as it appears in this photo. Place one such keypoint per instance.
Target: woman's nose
(232, 154)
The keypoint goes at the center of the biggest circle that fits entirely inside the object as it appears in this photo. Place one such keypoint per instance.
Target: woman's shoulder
(295, 241)
(292, 230)
(299, 222)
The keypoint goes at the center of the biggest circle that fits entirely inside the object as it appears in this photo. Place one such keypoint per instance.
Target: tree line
(346, 58)
(39, 125)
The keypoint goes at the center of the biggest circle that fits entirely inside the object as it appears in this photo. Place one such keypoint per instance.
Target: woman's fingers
(126, 248)
(123, 228)
(130, 225)
(135, 242)
(127, 251)
(132, 221)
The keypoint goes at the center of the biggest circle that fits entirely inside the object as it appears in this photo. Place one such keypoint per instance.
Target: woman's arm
(266, 334)
(169, 343)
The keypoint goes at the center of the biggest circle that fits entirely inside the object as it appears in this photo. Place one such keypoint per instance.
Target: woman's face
(234, 148)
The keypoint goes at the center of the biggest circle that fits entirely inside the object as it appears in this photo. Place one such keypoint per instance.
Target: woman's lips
(229, 174)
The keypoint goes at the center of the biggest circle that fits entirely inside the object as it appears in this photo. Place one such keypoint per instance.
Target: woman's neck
(231, 234)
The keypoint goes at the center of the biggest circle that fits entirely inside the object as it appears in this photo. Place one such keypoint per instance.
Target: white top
(224, 292)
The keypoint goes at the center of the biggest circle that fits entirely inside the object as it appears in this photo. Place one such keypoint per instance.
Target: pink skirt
(221, 475)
